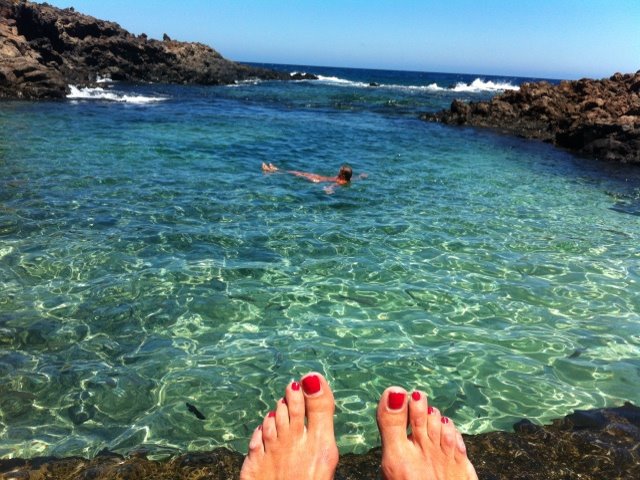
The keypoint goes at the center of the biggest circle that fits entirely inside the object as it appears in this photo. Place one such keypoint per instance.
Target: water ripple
(146, 261)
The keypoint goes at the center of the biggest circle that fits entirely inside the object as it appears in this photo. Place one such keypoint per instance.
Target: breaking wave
(340, 81)
(477, 86)
(99, 93)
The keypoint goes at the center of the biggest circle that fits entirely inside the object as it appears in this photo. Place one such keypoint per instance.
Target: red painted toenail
(259, 427)
(271, 414)
(295, 386)
(284, 400)
(430, 410)
(415, 396)
(395, 401)
(444, 420)
(311, 384)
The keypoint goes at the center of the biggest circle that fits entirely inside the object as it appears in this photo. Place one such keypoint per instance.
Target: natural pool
(146, 261)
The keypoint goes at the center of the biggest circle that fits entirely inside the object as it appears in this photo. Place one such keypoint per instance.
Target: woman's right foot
(433, 451)
(284, 448)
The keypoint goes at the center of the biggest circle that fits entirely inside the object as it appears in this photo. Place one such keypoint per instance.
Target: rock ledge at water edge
(595, 118)
(598, 444)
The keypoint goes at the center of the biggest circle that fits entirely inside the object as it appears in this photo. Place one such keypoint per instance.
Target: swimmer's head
(345, 173)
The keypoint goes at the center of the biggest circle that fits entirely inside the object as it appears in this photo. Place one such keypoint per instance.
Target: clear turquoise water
(146, 261)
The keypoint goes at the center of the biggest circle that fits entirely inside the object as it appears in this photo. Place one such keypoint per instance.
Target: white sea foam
(340, 81)
(433, 87)
(249, 81)
(477, 86)
(100, 93)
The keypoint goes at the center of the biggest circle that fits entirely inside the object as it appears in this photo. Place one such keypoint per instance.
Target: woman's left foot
(282, 447)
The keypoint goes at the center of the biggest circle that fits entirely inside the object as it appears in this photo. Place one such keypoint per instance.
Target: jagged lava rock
(597, 118)
(43, 49)
(23, 72)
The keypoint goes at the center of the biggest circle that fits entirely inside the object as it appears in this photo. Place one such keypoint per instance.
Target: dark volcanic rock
(303, 76)
(23, 71)
(586, 445)
(43, 49)
(598, 118)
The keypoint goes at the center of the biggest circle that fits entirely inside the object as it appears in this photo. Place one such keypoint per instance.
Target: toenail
(430, 410)
(295, 386)
(444, 420)
(415, 396)
(311, 384)
(259, 427)
(395, 400)
(271, 414)
(284, 400)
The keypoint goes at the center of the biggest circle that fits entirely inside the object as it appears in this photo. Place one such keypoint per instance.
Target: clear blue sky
(542, 38)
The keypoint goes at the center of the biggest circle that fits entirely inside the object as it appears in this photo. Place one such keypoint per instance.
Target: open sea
(146, 261)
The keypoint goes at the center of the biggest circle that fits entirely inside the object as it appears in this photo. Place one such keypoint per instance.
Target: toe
(256, 446)
(295, 404)
(461, 448)
(269, 431)
(460, 456)
(319, 402)
(448, 440)
(460, 452)
(418, 417)
(392, 416)
(282, 417)
(434, 424)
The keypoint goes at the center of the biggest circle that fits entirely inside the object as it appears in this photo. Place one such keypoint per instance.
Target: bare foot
(269, 168)
(433, 451)
(284, 448)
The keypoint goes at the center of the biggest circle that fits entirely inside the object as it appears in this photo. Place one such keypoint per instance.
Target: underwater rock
(195, 411)
(80, 413)
(596, 118)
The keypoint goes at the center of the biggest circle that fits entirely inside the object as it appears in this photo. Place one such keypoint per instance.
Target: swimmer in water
(343, 177)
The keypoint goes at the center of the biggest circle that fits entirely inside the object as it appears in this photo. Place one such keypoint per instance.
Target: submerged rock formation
(587, 445)
(43, 49)
(597, 118)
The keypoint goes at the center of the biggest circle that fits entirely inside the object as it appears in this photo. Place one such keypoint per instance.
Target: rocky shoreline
(44, 49)
(595, 118)
(586, 445)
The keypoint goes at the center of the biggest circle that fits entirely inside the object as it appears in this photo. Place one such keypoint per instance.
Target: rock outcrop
(43, 49)
(596, 118)
(586, 445)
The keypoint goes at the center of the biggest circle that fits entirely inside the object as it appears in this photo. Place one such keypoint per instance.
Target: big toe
(392, 416)
(319, 402)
